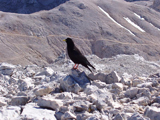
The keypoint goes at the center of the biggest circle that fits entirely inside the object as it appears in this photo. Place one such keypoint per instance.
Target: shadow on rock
(75, 81)
(28, 6)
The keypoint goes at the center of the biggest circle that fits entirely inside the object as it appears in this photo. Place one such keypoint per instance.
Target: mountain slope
(37, 37)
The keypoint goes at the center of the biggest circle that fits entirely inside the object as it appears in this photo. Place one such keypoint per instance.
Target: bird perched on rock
(76, 56)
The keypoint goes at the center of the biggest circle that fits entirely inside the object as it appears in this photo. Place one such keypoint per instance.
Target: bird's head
(69, 41)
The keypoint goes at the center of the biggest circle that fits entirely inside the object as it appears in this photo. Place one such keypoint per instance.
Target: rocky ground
(122, 88)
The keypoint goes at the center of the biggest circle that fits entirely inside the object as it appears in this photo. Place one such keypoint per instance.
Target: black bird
(76, 56)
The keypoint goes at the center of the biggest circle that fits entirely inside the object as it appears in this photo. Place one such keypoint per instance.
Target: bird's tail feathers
(91, 66)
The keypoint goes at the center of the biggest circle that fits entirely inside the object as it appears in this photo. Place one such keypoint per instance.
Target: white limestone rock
(3, 101)
(125, 100)
(50, 102)
(100, 84)
(142, 101)
(99, 76)
(152, 112)
(4, 66)
(128, 109)
(30, 73)
(7, 69)
(113, 77)
(80, 106)
(100, 104)
(90, 89)
(68, 115)
(136, 82)
(39, 79)
(65, 95)
(145, 85)
(64, 109)
(47, 72)
(31, 111)
(44, 89)
(132, 92)
(136, 116)
(10, 113)
(117, 86)
(26, 84)
(126, 79)
(84, 115)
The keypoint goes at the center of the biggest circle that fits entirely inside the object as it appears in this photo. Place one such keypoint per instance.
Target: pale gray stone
(100, 84)
(128, 109)
(126, 79)
(84, 116)
(90, 89)
(10, 113)
(143, 92)
(157, 99)
(117, 86)
(30, 73)
(100, 104)
(131, 92)
(152, 112)
(136, 116)
(68, 115)
(3, 101)
(66, 95)
(113, 77)
(43, 90)
(156, 105)
(107, 78)
(80, 106)
(118, 117)
(136, 82)
(64, 109)
(25, 84)
(50, 102)
(58, 115)
(125, 100)
(7, 69)
(99, 76)
(47, 72)
(145, 85)
(114, 112)
(33, 112)
(142, 101)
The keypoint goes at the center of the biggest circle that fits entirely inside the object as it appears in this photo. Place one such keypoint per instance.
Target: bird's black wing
(79, 58)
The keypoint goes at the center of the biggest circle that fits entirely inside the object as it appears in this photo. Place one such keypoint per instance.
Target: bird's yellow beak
(64, 40)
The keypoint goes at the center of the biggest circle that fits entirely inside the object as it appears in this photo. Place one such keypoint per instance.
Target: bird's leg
(74, 66)
(77, 66)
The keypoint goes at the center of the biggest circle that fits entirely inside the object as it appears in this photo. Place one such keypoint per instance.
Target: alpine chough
(76, 56)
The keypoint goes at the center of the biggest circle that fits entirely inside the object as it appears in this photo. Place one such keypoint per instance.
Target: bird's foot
(76, 66)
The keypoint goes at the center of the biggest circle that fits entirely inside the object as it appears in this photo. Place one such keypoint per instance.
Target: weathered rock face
(57, 93)
(156, 5)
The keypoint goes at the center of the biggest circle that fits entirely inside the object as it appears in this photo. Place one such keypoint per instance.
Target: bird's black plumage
(75, 55)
